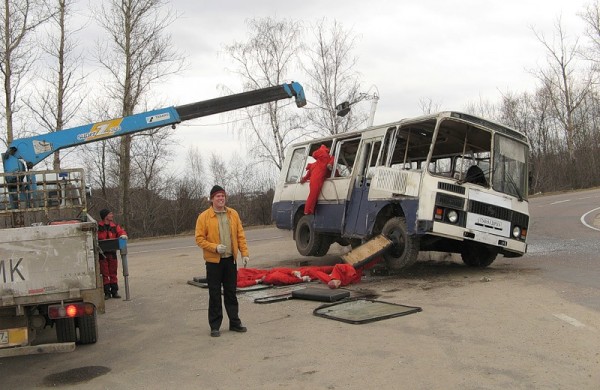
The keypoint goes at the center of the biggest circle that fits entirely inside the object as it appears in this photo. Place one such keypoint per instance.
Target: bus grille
(490, 210)
(451, 187)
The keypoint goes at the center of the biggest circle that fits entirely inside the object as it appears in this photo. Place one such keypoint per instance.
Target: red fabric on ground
(345, 273)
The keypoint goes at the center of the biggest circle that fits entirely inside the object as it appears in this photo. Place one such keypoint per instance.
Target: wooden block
(368, 251)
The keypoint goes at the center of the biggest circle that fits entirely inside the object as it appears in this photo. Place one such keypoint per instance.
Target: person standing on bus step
(108, 229)
(316, 173)
(220, 234)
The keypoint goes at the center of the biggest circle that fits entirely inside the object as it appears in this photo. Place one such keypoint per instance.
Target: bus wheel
(308, 242)
(477, 255)
(324, 247)
(404, 249)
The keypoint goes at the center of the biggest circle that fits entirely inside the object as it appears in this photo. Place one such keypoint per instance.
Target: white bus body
(448, 182)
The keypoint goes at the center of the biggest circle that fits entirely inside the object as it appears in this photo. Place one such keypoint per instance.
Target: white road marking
(582, 219)
(561, 201)
(569, 320)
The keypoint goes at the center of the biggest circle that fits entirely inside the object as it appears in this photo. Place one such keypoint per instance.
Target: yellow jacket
(207, 234)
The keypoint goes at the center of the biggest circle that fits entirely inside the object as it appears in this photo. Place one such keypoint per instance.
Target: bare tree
(218, 171)
(331, 70)
(141, 54)
(591, 19)
(428, 106)
(194, 173)
(100, 158)
(265, 60)
(57, 104)
(17, 50)
(189, 193)
(567, 89)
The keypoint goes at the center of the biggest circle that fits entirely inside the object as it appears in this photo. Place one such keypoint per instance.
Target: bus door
(357, 213)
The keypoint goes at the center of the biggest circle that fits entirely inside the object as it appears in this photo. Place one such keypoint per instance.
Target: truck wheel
(65, 330)
(88, 329)
(404, 249)
(477, 255)
(308, 242)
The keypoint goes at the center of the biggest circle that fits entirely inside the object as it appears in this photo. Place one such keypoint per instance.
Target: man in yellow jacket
(220, 234)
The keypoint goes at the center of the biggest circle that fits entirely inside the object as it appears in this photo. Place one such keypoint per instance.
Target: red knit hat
(215, 190)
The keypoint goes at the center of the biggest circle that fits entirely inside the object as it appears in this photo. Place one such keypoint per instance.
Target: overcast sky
(453, 52)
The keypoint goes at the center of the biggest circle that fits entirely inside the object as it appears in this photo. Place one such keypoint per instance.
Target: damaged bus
(448, 182)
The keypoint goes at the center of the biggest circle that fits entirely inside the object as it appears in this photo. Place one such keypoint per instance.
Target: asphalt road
(527, 323)
(564, 243)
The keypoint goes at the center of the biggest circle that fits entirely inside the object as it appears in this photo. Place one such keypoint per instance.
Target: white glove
(123, 237)
(245, 259)
(221, 248)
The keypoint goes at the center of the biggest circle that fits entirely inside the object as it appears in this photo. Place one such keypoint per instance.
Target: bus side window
(346, 156)
(296, 168)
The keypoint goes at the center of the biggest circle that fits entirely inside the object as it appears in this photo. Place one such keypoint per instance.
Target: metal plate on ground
(320, 294)
(276, 294)
(361, 310)
(307, 293)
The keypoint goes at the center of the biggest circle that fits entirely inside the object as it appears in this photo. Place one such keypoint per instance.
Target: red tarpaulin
(333, 275)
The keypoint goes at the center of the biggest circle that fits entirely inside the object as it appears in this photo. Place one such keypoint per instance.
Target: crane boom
(24, 153)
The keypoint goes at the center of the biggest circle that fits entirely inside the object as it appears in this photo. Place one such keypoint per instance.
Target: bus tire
(308, 242)
(404, 249)
(477, 255)
(325, 245)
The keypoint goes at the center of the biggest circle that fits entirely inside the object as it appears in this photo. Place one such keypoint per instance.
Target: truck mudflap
(37, 349)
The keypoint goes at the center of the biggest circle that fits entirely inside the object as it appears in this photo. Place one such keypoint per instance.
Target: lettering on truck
(13, 268)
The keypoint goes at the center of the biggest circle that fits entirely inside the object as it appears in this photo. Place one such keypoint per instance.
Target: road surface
(528, 323)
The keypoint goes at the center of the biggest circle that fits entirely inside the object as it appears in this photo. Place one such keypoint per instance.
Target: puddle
(75, 376)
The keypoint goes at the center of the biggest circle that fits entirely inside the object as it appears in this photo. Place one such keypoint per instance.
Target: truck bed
(46, 261)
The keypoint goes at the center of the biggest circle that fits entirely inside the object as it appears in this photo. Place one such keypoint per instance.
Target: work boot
(107, 294)
(238, 328)
(114, 290)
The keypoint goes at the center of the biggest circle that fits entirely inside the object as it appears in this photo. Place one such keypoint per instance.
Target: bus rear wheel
(309, 242)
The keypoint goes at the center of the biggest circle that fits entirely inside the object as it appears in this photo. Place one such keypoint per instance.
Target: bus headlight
(452, 216)
(516, 232)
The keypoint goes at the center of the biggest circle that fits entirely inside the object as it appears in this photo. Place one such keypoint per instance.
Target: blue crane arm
(29, 151)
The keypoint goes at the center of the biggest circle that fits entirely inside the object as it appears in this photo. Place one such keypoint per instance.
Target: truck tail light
(70, 310)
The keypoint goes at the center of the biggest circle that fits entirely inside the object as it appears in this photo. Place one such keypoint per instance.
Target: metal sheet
(361, 311)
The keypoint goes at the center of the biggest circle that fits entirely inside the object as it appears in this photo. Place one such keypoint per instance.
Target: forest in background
(131, 175)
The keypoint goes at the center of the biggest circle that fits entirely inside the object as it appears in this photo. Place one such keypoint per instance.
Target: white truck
(49, 271)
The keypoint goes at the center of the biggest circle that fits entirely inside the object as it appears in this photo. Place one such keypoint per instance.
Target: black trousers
(223, 274)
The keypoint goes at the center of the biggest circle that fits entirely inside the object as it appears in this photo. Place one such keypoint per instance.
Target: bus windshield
(510, 167)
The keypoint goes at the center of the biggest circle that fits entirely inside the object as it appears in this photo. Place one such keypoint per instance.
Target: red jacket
(112, 230)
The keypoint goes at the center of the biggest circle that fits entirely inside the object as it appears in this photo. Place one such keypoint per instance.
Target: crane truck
(49, 252)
